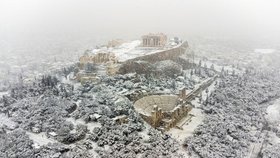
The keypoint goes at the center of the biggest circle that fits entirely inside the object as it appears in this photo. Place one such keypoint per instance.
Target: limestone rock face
(140, 67)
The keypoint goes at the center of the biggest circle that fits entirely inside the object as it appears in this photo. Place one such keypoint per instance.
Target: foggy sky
(132, 18)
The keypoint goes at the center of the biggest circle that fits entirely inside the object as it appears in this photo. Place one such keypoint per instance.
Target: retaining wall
(169, 54)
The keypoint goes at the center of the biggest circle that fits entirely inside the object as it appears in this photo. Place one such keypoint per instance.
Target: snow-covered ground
(188, 127)
(130, 50)
(144, 133)
(264, 51)
(40, 139)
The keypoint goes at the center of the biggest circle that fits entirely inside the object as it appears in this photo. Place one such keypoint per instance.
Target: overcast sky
(132, 18)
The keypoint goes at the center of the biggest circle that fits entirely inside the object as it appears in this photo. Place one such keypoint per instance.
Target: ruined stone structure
(205, 84)
(165, 111)
(162, 111)
(98, 58)
(115, 43)
(85, 77)
(88, 64)
(154, 40)
(109, 58)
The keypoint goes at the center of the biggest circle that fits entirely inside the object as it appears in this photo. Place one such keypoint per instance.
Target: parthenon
(154, 40)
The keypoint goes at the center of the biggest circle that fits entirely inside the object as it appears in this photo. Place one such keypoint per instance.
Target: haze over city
(100, 20)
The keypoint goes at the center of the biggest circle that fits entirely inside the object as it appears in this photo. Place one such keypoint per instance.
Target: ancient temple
(154, 40)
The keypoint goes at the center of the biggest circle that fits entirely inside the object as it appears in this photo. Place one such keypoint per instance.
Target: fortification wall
(144, 64)
(169, 54)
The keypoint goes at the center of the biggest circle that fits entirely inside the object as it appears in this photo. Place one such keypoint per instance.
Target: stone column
(146, 41)
(182, 93)
(158, 42)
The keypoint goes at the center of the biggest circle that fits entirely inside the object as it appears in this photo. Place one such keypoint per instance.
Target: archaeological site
(139, 79)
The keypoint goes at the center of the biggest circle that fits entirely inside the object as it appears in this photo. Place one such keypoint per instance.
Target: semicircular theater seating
(146, 105)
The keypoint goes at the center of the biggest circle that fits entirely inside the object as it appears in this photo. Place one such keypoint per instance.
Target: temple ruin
(154, 40)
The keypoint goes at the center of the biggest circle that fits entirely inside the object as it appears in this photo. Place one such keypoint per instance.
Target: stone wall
(164, 120)
(176, 115)
(145, 64)
(170, 54)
